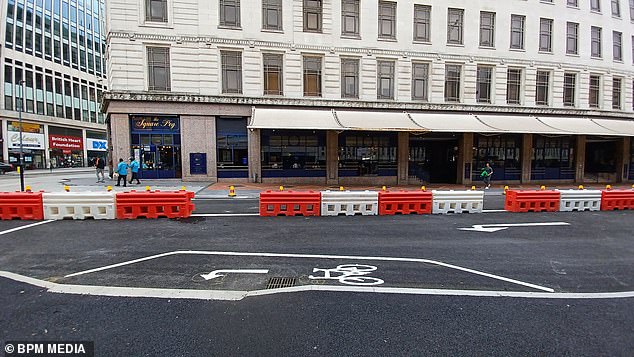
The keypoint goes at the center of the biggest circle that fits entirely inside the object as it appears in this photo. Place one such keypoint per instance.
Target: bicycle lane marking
(313, 256)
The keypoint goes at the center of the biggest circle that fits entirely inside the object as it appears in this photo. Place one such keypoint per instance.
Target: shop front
(156, 143)
(66, 147)
(600, 163)
(553, 158)
(502, 152)
(232, 147)
(433, 158)
(33, 144)
(293, 153)
(368, 154)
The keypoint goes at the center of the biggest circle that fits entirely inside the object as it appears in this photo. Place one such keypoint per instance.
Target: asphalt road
(442, 290)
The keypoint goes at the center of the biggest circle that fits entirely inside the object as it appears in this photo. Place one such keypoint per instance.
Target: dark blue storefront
(293, 153)
(553, 158)
(502, 152)
(156, 143)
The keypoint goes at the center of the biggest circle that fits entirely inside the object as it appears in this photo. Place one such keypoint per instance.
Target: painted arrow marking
(490, 228)
(218, 273)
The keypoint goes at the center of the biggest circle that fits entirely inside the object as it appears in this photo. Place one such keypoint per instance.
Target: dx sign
(99, 145)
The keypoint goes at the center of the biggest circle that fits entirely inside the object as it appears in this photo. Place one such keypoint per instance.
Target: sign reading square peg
(198, 163)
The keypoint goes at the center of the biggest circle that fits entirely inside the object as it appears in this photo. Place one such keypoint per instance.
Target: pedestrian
(100, 165)
(122, 170)
(134, 167)
(486, 176)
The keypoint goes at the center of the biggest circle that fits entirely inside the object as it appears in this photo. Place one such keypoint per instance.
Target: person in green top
(486, 174)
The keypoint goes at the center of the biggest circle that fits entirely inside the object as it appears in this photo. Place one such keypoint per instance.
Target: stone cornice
(360, 51)
(356, 104)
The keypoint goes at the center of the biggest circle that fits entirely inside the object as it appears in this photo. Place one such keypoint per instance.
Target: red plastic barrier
(405, 202)
(154, 204)
(532, 201)
(21, 205)
(289, 203)
(617, 200)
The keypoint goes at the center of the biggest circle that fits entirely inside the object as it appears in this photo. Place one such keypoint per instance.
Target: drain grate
(279, 282)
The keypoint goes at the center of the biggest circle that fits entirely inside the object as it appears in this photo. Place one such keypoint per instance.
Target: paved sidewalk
(58, 171)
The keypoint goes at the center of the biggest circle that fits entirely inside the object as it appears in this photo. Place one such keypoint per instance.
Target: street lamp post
(21, 163)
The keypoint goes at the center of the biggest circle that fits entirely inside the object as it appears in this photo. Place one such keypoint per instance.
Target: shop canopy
(435, 122)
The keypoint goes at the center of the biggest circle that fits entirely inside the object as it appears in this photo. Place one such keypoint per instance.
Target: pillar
(465, 159)
(623, 159)
(254, 137)
(527, 157)
(332, 157)
(83, 140)
(120, 131)
(403, 158)
(198, 135)
(5, 142)
(47, 148)
(580, 158)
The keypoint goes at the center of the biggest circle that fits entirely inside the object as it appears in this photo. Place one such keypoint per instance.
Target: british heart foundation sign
(66, 143)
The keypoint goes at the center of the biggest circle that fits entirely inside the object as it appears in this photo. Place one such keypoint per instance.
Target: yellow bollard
(281, 188)
(183, 188)
(506, 188)
(67, 188)
(473, 188)
(608, 187)
(423, 188)
(18, 169)
(384, 188)
(27, 188)
(632, 187)
(341, 188)
(109, 188)
(581, 187)
(148, 189)
(232, 191)
(543, 188)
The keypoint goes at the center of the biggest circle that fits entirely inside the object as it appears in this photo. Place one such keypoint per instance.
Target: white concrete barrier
(349, 203)
(79, 205)
(580, 200)
(457, 202)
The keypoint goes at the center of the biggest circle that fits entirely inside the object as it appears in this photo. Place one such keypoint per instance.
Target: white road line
(236, 295)
(225, 214)
(24, 227)
(493, 210)
(315, 256)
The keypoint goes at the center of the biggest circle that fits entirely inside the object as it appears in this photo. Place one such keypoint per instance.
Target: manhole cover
(278, 282)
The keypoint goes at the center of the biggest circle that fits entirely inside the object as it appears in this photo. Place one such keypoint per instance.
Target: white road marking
(236, 295)
(314, 256)
(218, 273)
(493, 210)
(225, 214)
(490, 228)
(24, 227)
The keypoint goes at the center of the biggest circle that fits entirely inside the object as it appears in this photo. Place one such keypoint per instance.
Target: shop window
(368, 154)
(553, 158)
(503, 152)
(232, 147)
(293, 153)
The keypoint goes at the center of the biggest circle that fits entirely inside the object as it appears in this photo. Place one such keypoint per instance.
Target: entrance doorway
(433, 159)
(600, 165)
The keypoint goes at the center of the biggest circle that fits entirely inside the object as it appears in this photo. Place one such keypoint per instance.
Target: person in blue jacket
(122, 170)
(134, 167)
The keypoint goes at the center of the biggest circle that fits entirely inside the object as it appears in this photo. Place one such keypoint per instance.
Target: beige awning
(451, 123)
(578, 126)
(293, 119)
(374, 121)
(621, 126)
(520, 124)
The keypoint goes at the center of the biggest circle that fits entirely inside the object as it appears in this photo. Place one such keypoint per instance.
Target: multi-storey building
(53, 71)
(369, 91)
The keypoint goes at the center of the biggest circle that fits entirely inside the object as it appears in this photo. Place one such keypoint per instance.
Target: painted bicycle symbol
(350, 274)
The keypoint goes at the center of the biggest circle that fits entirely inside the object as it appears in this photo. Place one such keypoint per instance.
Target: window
(156, 10)
(572, 38)
(312, 15)
(231, 71)
(546, 35)
(350, 18)
(158, 68)
(616, 93)
(312, 76)
(387, 19)
(632, 10)
(543, 84)
(616, 8)
(617, 46)
(573, 3)
(420, 81)
(595, 85)
(517, 31)
(272, 15)
(452, 82)
(595, 38)
(595, 5)
(349, 78)
(487, 29)
(513, 85)
(570, 81)
(483, 84)
(422, 23)
(273, 70)
(230, 13)
(455, 20)
(385, 79)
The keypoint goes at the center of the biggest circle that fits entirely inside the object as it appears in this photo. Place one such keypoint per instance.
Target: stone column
(120, 130)
(580, 158)
(332, 157)
(83, 138)
(5, 136)
(255, 155)
(403, 158)
(527, 157)
(47, 148)
(622, 159)
(465, 159)
(198, 135)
